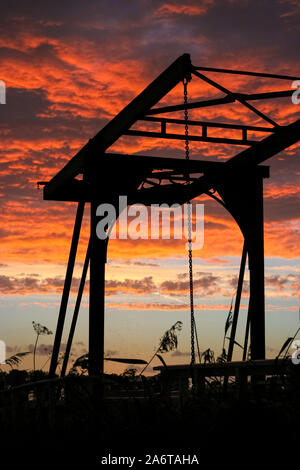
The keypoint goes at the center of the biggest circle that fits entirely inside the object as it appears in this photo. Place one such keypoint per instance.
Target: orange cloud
(169, 9)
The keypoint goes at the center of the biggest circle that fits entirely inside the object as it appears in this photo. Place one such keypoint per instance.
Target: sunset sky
(70, 67)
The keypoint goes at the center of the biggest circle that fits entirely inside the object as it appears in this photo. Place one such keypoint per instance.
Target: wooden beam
(194, 138)
(237, 303)
(97, 250)
(283, 138)
(77, 190)
(158, 163)
(224, 100)
(75, 313)
(244, 72)
(195, 105)
(139, 106)
(144, 166)
(259, 367)
(208, 124)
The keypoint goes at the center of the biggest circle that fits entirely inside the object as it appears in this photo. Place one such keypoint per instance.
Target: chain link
(189, 207)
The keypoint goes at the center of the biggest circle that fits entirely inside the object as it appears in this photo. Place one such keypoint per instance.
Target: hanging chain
(186, 126)
(189, 207)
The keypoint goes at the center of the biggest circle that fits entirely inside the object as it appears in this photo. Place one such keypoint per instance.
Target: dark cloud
(23, 285)
(44, 349)
(207, 285)
(4, 233)
(182, 276)
(289, 284)
(279, 282)
(24, 106)
(110, 352)
(140, 286)
(234, 282)
(283, 208)
(143, 263)
(27, 116)
(14, 349)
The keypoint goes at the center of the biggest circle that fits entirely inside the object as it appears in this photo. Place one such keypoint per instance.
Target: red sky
(70, 68)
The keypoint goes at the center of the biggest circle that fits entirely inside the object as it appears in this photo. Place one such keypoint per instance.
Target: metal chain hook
(187, 156)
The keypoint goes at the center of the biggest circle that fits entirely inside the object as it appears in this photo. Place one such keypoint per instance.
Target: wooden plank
(259, 367)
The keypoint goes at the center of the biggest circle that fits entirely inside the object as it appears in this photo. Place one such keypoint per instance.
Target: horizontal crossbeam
(196, 138)
(220, 101)
(244, 72)
(258, 367)
(132, 171)
(208, 124)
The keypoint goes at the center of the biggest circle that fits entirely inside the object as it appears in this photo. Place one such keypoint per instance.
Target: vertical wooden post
(243, 197)
(98, 250)
(255, 246)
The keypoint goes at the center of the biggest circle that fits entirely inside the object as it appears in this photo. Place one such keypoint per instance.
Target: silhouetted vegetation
(131, 414)
(40, 330)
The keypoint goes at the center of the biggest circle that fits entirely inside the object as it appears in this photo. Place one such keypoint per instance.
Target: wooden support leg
(237, 303)
(66, 290)
(246, 335)
(98, 250)
(76, 311)
(236, 310)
